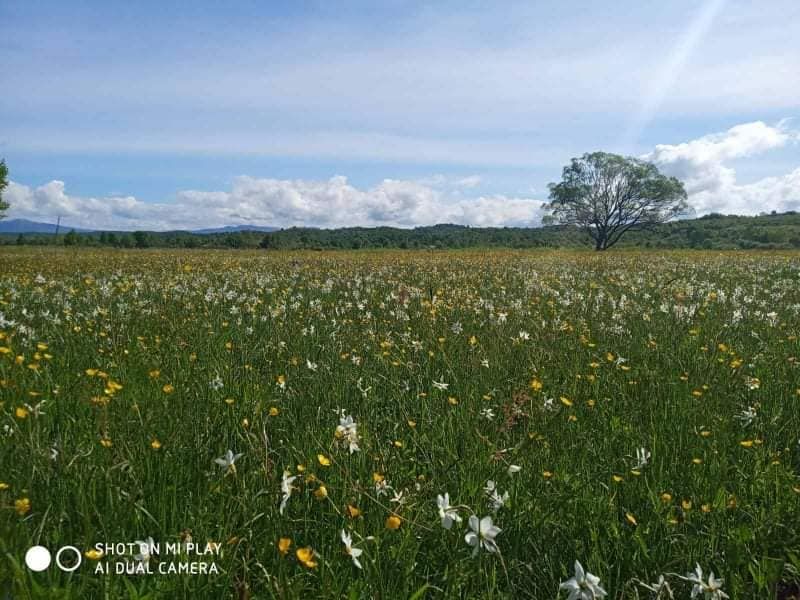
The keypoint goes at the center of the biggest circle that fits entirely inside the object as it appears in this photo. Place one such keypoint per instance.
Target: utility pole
(58, 224)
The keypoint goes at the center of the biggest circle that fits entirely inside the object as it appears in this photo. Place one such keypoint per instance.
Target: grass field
(636, 412)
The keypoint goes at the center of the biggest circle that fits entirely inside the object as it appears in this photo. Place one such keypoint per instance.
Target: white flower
(642, 458)
(216, 383)
(485, 363)
(747, 416)
(146, 550)
(447, 513)
(496, 501)
(347, 431)
(524, 336)
(583, 585)
(711, 590)
(482, 535)
(512, 469)
(440, 385)
(352, 552)
(311, 366)
(487, 413)
(227, 461)
(456, 328)
(286, 488)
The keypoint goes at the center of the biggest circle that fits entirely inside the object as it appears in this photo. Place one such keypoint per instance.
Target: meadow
(389, 424)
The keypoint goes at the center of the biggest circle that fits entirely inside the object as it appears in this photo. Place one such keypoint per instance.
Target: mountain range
(26, 226)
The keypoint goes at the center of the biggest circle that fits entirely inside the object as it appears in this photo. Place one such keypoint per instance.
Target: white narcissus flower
(642, 458)
(146, 549)
(496, 501)
(286, 488)
(227, 461)
(447, 513)
(352, 552)
(711, 589)
(482, 535)
(347, 430)
(583, 585)
(512, 469)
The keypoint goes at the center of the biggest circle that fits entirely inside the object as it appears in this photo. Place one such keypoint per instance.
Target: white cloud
(711, 183)
(331, 203)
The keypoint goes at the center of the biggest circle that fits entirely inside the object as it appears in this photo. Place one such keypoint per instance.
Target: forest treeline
(714, 231)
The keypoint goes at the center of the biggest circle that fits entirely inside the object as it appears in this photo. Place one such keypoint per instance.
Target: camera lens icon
(68, 558)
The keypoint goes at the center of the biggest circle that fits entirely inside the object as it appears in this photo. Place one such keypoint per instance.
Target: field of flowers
(400, 425)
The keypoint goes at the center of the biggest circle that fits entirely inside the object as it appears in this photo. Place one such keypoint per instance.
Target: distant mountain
(235, 228)
(26, 226)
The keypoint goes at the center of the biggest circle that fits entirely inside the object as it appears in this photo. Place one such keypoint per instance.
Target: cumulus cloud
(703, 166)
(280, 203)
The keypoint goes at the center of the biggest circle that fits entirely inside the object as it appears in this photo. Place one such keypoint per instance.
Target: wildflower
(216, 383)
(583, 585)
(512, 469)
(168, 388)
(321, 492)
(155, 444)
(440, 385)
(488, 414)
(642, 458)
(347, 431)
(306, 557)
(393, 522)
(22, 506)
(323, 460)
(711, 590)
(352, 552)
(273, 412)
(227, 461)
(286, 488)
(353, 512)
(283, 545)
(447, 513)
(496, 501)
(94, 554)
(146, 549)
(482, 535)
(21, 412)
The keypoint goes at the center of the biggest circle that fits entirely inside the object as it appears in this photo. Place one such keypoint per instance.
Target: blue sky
(126, 115)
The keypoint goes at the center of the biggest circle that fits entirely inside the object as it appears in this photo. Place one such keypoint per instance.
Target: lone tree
(3, 186)
(607, 194)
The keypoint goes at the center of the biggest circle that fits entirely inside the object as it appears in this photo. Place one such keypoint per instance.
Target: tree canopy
(606, 195)
(3, 185)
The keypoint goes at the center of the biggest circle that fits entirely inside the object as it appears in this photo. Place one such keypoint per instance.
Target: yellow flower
(706, 508)
(273, 412)
(377, 478)
(283, 545)
(91, 372)
(353, 511)
(155, 444)
(321, 493)
(686, 504)
(697, 461)
(229, 401)
(565, 401)
(93, 554)
(306, 556)
(631, 519)
(154, 374)
(393, 522)
(452, 400)
(21, 412)
(617, 478)
(22, 506)
(4, 486)
(106, 442)
(324, 460)
(547, 474)
(746, 443)
(666, 497)
(398, 444)
(536, 385)
(412, 424)
(168, 388)
(473, 340)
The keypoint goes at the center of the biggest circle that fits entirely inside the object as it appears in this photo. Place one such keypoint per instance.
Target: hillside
(776, 231)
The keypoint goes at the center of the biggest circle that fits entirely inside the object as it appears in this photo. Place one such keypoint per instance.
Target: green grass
(696, 331)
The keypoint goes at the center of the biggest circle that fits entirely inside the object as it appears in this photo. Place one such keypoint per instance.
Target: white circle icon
(78, 558)
(37, 558)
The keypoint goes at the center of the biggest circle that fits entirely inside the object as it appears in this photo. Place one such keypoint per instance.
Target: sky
(155, 115)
